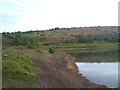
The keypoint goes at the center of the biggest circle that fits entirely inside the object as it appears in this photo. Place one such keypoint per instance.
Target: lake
(99, 67)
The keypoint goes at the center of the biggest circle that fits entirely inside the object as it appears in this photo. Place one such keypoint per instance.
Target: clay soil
(58, 70)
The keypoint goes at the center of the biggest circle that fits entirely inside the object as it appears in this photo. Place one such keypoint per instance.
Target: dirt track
(58, 70)
(7, 49)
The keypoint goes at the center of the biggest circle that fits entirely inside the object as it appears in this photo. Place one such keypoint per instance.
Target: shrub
(39, 51)
(51, 50)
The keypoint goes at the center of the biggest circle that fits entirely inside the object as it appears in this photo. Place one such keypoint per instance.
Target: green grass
(97, 50)
(82, 45)
(16, 65)
(6, 42)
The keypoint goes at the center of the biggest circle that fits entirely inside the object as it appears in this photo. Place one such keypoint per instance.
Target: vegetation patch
(51, 50)
(18, 66)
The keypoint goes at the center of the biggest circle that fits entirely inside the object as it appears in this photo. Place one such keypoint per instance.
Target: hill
(60, 35)
(37, 59)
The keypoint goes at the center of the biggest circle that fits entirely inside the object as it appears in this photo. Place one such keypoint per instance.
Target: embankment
(58, 70)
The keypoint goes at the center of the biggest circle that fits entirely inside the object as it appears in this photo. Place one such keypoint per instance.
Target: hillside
(37, 59)
(58, 36)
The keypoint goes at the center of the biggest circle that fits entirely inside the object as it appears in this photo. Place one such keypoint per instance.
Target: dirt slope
(58, 70)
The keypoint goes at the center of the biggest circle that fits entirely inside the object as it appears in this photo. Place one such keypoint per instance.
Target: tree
(57, 28)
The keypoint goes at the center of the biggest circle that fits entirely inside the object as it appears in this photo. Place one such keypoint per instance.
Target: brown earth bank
(58, 70)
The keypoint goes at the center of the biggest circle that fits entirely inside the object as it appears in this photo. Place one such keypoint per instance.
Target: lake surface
(100, 73)
(99, 67)
(96, 55)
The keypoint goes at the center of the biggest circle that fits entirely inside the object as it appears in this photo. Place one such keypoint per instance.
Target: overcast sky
(23, 15)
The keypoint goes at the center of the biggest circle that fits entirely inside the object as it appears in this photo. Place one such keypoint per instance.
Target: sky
(24, 15)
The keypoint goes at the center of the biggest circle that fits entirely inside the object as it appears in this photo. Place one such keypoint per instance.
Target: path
(7, 49)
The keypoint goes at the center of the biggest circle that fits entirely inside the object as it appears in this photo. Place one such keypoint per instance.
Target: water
(100, 73)
(99, 67)
(96, 56)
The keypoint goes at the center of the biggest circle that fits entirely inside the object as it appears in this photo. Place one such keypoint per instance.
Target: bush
(51, 50)
(30, 46)
(39, 51)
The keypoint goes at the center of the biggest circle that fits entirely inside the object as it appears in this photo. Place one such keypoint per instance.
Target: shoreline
(56, 70)
(75, 68)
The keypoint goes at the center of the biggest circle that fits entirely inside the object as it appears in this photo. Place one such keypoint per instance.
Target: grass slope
(17, 66)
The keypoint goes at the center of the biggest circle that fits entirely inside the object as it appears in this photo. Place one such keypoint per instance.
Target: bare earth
(58, 70)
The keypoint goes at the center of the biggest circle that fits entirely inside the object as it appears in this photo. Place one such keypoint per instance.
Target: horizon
(51, 29)
(18, 15)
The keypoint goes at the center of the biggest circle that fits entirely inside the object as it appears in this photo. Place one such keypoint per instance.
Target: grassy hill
(34, 59)
(61, 35)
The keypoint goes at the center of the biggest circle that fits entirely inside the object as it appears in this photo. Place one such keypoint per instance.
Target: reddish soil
(83, 31)
(58, 70)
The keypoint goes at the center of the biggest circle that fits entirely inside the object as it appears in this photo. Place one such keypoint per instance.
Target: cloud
(45, 14)
(12, 11)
